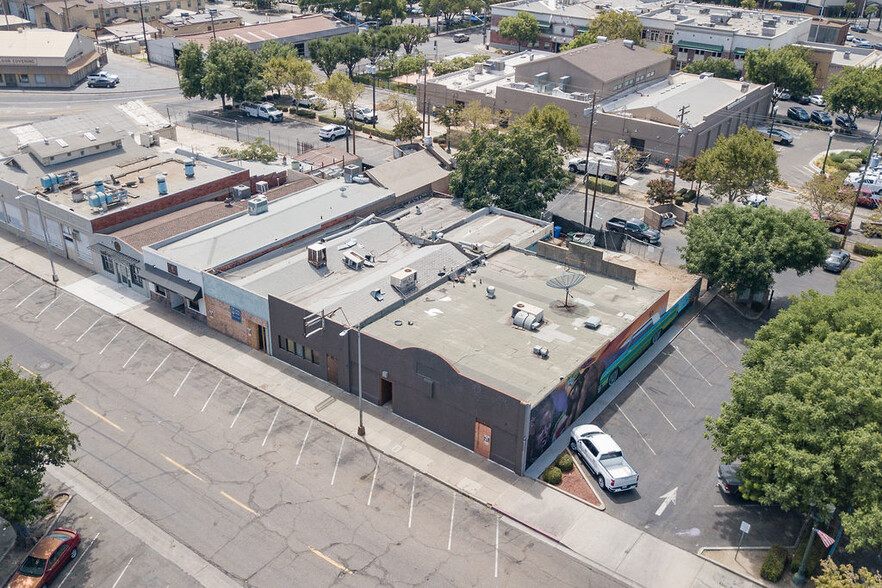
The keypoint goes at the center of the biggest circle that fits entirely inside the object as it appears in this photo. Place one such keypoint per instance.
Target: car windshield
(642, 226)
(32, 566)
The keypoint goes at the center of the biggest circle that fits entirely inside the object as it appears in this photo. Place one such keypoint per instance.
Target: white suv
(331, 132)
(364, 114)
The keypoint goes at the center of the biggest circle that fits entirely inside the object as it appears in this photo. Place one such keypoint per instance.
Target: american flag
(826, 539)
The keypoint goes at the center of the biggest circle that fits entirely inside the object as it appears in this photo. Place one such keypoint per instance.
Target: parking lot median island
(575, 483)
(747, 564)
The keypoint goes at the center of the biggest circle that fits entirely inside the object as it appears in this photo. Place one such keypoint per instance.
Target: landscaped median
(567, 475)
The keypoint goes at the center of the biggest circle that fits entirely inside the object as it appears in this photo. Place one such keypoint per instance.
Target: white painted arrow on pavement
(667, 499)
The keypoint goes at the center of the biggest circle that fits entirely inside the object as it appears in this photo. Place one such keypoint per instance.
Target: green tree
(384, 11)
(520, 170)
(824, 195)
(660, 191)
(230, 72)
(686, 170)
(272, 48)
(552, 120)
(265, 4)
(352, 50)
(719, 66)
(336, 5)
(256, 150)
(777, 5)
(787, 68)
(409, 36)
(805, 416)
(742, 248)
(748, 4)
(522, 27)
(844, 576)
(475, 115)
(325, 54)
(191, 69)
(449, 116)
(408, 124)
(612, 25)
(738, 165)
(34, 433)
(276, 73)
(342, 90)
(444, 8)
(849, 9)
(300, 78)
(855, 90)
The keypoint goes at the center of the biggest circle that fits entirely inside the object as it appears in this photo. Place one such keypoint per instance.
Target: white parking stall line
(89, 329)
(665, 374)
(70, 571)
(271, 426)
(112, 339)
(25, 299)
(150, 377)
(134, 353)
(656, 406)
(212, 394)
(496, 554)
(240, 408)
(337, 464)
(452, 511)
(619, 407)
(708, 348)
(13, 284)
(45, 308)
(374, 481)
(677, 349)
(181, 385)
(302, 445)
(412, 492)
(714, 325)
(67, 317)
(122, 573)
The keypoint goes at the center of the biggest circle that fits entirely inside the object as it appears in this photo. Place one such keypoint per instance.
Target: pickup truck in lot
(634, 228)
(595, 166)
(102, 79)
(604, 458)
(261, 110)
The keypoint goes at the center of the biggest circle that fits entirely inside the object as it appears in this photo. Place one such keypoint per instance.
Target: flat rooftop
(728, 20)
(421, 217)
(475, 334)
(280, 29)
(499, 70)
(578, 12)
(848, 56)
(299, 214)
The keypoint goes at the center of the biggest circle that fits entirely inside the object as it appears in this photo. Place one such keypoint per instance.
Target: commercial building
(297, 31)
(179, 23)
(638, 100)
(88, 16)
(40, 58)
(828, 60)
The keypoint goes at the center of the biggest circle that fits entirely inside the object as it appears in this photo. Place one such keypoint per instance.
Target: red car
(835, 222)
(46, 559)
(867, 199)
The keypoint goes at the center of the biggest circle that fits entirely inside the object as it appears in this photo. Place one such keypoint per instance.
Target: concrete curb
(742, 575)
(602, 506)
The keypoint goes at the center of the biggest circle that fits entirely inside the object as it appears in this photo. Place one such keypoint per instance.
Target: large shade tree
(854, 91)
(522, 28)
(742, 248)
(612, 25)
(554, 121)
(738, 165)
(805, 418)
(520, 170)
(34, 434)
(787, 68)
(231, 70)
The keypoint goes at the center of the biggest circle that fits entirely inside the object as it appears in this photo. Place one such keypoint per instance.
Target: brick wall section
(220, 319)
(587, 259)
(273, 180)
(136, 212)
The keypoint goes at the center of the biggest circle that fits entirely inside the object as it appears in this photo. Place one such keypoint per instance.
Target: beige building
(638, 102)
(828, 61)
(71, 15)
(41, 58)
(183, 22)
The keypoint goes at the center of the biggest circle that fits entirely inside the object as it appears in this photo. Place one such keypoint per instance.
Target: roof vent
(601, 39)
(592, 322)
(541, 351)
(491, 292)
(628, 43)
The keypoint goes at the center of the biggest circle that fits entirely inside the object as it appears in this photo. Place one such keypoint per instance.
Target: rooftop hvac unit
(241, 192)
(148, 139)
(404, 280)
(317, 254)
(526, 320)
(257, 205)
(562, 83)
(541, 351)
(529, 309)
(262, 187)
(353, 260)
(350, 171)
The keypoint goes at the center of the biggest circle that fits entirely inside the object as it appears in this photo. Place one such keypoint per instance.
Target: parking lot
(254, 487)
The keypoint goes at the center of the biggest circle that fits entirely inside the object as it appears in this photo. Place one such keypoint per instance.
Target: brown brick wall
(220, 319)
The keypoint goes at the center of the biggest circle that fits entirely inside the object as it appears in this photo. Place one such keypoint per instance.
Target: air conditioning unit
(262, 187)
(317, 254)
(529, 309)
(404, 280)
(241, 192)
(257, 205)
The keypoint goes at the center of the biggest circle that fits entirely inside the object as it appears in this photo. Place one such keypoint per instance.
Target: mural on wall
(552, 416)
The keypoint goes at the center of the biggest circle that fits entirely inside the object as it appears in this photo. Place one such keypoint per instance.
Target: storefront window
(107, 263)
(24, 79)
(40, 78)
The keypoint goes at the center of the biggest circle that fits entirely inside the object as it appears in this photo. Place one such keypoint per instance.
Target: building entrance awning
(114, 255)
(699, 46)
(172, 282)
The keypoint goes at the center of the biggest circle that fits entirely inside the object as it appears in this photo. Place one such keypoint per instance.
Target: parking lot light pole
(45, 236)
(589, 111)
(772, 125)
(372, 69)
(360, 394)
(829, 142)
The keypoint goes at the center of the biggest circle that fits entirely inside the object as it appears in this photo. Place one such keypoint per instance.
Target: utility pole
(144, 31)
(860, 185)
(588, 156)
(681, 130)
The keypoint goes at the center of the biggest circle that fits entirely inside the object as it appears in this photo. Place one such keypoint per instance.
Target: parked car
(849, 37)
(798, 113)
(103, 83)
(460, 38)
(783, 95)
(821, 117)
(727, 478)
(877, 46)
(846, 122)
(102, 75)
(837, 261)
(872, 181)
(265, 110)
(331, 132)
(363, 114)
(777, 135)
(604, 458)
(858, 28)
(311, 100)
(864, 45)
(757, 200)
(836, 223)
(46, 559)
(635, 228)
(817, 100)
(596, 166)
(801, 99)
(857, 40)
(868, 199)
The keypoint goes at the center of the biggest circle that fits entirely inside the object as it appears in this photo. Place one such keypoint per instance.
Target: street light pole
(144, 31)
(588, 156)
(829, 142)
(372, 69)
(211, 13)
(45, 236)
(360, 393)
(681, 130)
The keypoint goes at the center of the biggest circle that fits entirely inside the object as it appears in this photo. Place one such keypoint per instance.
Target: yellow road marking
(27, 370)
(179, 466)
(100, 416)
(337, 565)
(237, 503)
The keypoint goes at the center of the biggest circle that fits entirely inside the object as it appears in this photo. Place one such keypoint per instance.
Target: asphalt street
(254, 487)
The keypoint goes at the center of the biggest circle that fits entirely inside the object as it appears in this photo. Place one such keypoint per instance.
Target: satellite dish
(565, 282)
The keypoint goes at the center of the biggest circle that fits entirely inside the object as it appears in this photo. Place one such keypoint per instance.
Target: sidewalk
(623, 551)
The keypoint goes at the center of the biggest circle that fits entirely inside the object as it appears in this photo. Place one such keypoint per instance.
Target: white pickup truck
(604, 458)
(606, 170)
(261, 110)
(102, 79)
